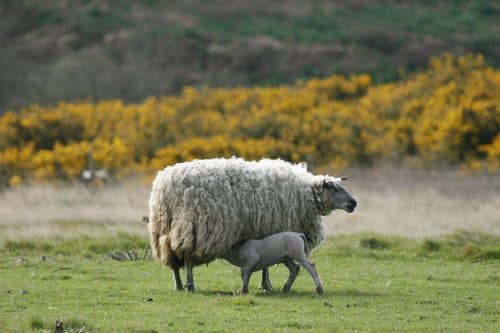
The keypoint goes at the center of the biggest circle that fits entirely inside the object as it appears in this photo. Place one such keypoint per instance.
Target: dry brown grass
(400, 202)
(66, 211)
(420, 203)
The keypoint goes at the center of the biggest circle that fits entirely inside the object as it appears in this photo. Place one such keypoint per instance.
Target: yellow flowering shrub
(492, 152)
(15, 162)
(449, 113)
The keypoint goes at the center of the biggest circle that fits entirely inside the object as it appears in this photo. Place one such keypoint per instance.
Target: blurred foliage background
(447, 115)
(138, 85)
(55, 50)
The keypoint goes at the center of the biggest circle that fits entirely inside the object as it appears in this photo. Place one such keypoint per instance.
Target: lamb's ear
(343, 179)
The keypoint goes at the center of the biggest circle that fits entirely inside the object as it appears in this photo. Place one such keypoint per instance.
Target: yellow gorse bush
(449, 113)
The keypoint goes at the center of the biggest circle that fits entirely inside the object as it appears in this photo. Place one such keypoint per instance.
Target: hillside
(72, 50)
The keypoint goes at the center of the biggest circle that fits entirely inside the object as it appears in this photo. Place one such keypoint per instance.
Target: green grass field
(372, 283)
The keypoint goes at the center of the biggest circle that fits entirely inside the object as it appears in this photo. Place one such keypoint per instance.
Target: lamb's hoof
(268, 289)
(243, 291)
(286, 289)
(319, 290)
(190, 288)
(178, 288)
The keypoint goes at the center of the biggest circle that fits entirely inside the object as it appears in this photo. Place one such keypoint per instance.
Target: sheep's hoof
(243, 291)
(190, 288)
(319, 290)
(286, 289)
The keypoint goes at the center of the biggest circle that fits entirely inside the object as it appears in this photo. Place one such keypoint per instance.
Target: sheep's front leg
(266, 282)
(189, 277)
(293, 269)
(246, 273)
(177, 279)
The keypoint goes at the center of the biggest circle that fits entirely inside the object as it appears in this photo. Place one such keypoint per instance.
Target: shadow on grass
(217, 292)
(292, 293)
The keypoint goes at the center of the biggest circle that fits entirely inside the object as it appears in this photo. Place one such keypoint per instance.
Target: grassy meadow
(372, 283)
(399, 263)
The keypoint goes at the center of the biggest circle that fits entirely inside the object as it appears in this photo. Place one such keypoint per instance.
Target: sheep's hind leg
(294, 269)
(189, 277)
(266, 282)
(177, 279)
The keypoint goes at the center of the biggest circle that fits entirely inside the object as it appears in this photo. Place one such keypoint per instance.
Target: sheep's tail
(154, 236)
(159, 227)
(306, 247)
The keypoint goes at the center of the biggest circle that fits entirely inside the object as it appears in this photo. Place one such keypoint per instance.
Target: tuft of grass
(462, 238)
(244, 302)
(374, 243)
(476, 253)
(431, 245)
(299, 325)
(489, 255)
(13, 246)
(36, 323)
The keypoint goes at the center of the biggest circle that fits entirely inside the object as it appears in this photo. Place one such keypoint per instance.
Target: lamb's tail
(306, 247)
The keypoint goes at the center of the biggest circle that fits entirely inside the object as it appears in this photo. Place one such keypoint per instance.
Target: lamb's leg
(266, 282)
(189, 277)
(246, 273)
(177, 279)
(294, 269)
(302, 259)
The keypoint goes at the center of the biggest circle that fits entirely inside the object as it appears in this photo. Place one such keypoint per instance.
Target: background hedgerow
(448, 114)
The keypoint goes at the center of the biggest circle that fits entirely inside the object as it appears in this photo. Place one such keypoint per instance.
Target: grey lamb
(284, 247)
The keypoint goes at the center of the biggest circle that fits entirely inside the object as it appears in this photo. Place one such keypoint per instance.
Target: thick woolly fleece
(200, 209)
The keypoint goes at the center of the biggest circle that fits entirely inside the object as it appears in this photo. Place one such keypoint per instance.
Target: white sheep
(199, 210)
(284, 247)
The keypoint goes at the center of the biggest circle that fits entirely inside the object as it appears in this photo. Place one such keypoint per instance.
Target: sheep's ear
(329, 184)
(343, 179)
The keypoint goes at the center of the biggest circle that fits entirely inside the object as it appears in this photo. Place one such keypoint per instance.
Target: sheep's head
(330, 194)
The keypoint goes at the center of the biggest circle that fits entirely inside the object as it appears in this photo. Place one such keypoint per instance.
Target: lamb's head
(329, 194)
